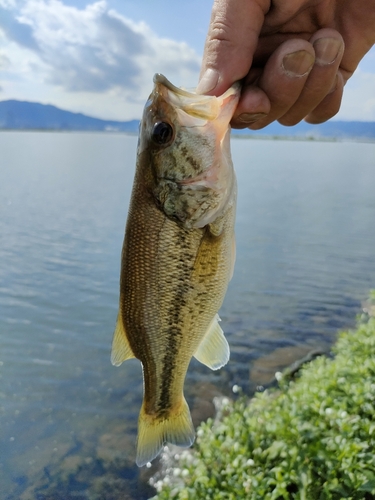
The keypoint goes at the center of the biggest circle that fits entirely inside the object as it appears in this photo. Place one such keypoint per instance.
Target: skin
(293, 56)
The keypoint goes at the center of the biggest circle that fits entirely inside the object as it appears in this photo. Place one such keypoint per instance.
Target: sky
(99, 57)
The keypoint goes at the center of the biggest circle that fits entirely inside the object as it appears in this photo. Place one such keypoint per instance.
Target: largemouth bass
(178, 255)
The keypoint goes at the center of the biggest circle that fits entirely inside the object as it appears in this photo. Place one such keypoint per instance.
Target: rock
(115, 446)
(262, 371)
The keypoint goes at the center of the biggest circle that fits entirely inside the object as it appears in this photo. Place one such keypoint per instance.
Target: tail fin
(153, 432)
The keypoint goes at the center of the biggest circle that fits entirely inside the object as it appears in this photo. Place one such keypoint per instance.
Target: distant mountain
(22, 115)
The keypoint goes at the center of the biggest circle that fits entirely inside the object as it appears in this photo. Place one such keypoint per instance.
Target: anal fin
(213, 351)
(121, 350)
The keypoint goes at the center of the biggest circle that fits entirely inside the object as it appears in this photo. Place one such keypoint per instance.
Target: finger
(255, 106)
(254, 101)
(282, 80)
(329, 48)
(231, 42)
(330, 105)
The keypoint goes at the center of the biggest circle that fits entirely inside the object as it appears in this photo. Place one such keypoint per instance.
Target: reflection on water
(305, 240)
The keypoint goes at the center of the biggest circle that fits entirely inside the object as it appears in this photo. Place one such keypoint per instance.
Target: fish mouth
(198, 106)
(161, 79)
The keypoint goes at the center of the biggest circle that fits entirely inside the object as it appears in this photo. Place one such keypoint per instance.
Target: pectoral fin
(213, 351)
(121, 350)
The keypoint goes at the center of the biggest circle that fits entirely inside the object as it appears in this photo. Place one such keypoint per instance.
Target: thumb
(230, 44)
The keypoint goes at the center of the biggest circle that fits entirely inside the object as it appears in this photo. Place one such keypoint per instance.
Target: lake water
(305, 262)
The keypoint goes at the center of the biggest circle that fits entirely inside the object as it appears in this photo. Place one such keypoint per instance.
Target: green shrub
(313, 438)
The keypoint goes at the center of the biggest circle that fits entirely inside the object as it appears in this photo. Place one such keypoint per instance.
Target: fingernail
(298, 63)
(208, 81)
(327, 50)
(250, 117)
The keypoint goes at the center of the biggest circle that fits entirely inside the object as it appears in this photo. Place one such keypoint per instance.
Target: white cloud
(85, 56)
(97, 61)
(359, 97)
(4, 61)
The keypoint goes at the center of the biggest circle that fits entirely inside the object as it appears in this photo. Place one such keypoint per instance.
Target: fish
(178, 255)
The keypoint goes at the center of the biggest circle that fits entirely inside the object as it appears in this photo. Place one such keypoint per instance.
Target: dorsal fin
(213, 351)
(121, 350)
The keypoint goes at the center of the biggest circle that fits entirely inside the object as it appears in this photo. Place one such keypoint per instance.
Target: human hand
(294, 56)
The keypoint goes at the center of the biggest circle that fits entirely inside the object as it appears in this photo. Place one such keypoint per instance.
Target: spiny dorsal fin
(213, 351)
(121, 350)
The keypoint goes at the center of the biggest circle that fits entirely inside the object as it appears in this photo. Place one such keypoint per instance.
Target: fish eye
(162, 133)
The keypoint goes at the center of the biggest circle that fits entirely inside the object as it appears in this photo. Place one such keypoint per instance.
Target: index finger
(230, 44)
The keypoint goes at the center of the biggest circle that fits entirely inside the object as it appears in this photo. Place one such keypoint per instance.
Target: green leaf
(369, 486)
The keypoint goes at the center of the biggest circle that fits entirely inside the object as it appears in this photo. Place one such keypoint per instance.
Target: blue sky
(99, 57)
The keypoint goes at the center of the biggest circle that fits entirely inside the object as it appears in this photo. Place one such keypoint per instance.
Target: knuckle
(220, 30)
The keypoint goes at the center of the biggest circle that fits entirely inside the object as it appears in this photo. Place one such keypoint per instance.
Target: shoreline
(234, 135)
(312, 437)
